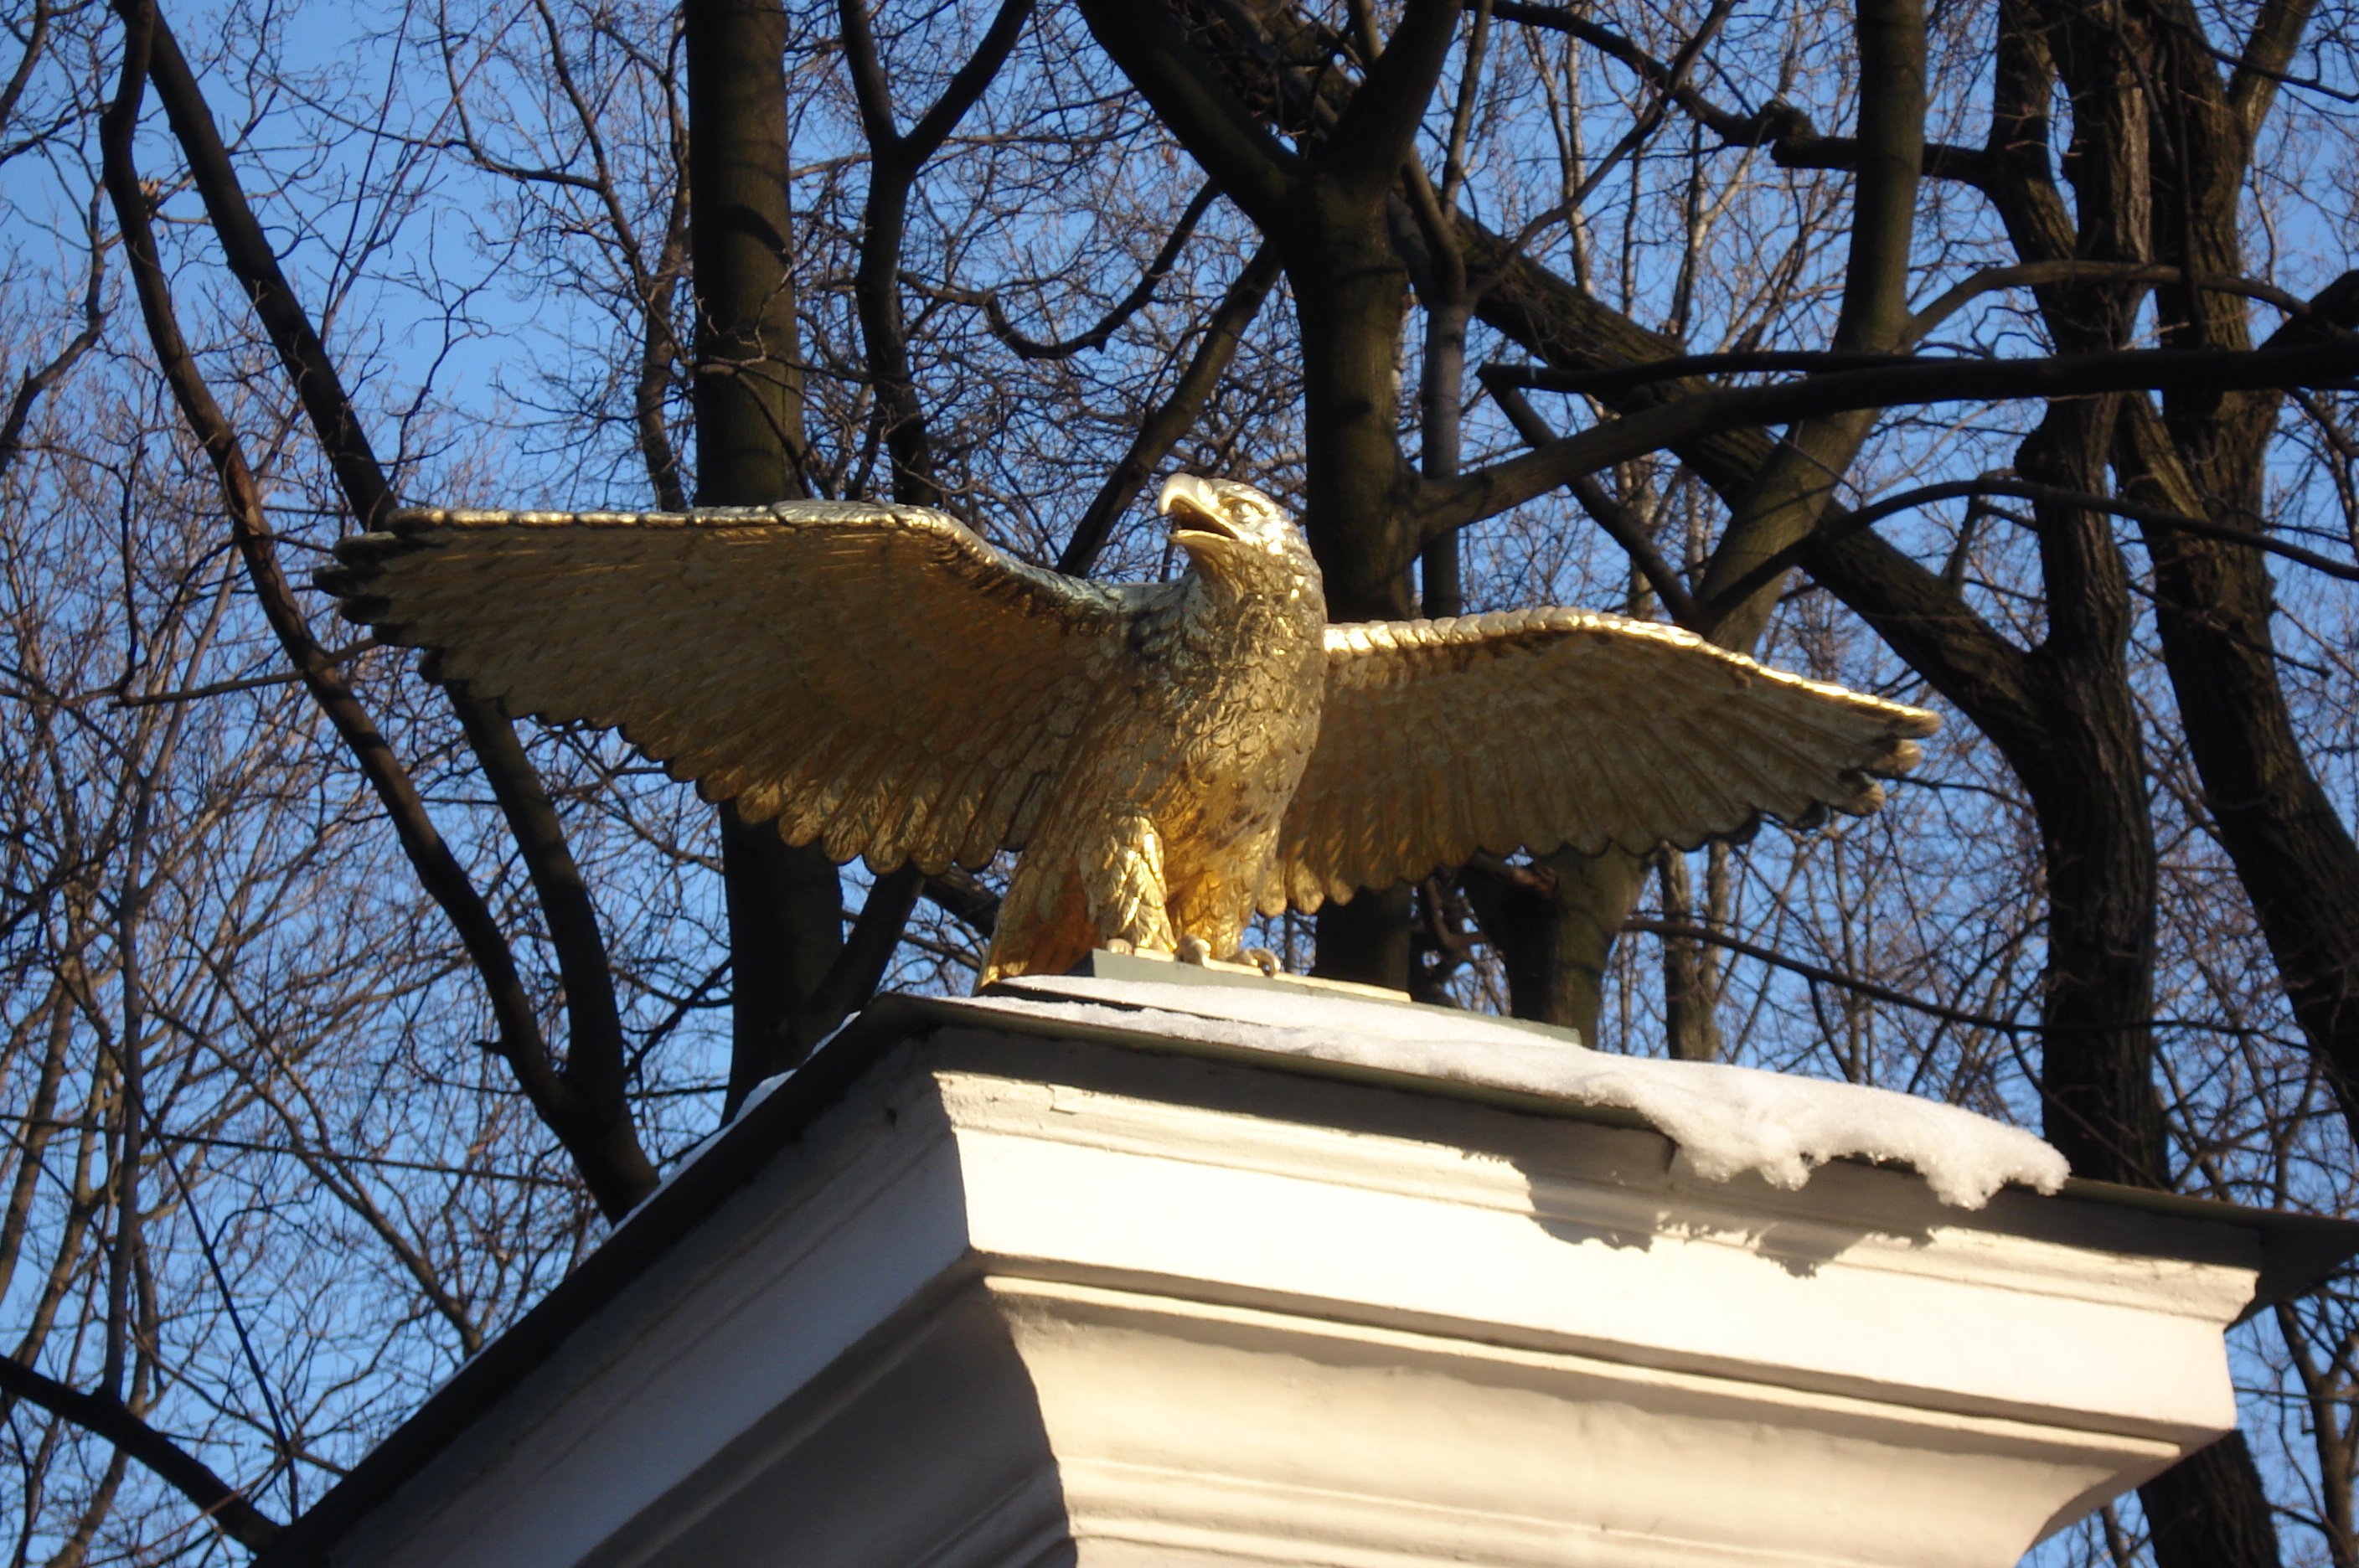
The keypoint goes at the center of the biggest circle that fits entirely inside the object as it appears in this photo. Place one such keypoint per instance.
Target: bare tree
(329, 987)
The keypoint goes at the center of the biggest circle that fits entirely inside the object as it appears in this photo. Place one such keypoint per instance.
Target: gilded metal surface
(1168, 757)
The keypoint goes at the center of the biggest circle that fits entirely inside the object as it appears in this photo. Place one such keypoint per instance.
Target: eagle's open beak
(1194, 507)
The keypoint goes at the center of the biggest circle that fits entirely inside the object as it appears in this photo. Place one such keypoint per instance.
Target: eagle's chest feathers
(1215, 710)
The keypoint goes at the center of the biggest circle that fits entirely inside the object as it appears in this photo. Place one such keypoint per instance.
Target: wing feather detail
(1542, 728)
(872, 677)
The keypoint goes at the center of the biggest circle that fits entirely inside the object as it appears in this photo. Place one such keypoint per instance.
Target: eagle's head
(1235, 535)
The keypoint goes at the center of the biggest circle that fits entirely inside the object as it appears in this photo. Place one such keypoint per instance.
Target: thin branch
(2285, 78)
(1461, 117)
(1734, 129)
(2022, 490)
(2034, 273)
(223, 1503)
(967, 84)
(251, 683)
(1820, 974)
(1864, 987)
(1674, 79)
(1738, 361)
(1793, 142)
(286, 1449)
(610, 1173)
(339, 1156)
(37, 39)
(1620, 523)
(1493, 490)
(996, 317)
(1176, 414)
(37, 382)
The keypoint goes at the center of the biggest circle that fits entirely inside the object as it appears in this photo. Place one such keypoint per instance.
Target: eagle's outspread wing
(1542, 728)
(875, 677)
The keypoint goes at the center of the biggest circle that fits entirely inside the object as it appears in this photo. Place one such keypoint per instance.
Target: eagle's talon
(1195, 950)
(1118, 944)
(1263, 959)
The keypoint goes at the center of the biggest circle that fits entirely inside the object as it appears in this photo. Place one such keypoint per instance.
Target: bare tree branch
(1867, 517)
(38, 381)
(1493, 490)
(1096, 337)
(1820, 974)
(219, 1502)
(1173, 418)
(586, 1094)
(604, 1146)
(1793, 142)
(1252, 167)
(1619, 522)
(1371, 137)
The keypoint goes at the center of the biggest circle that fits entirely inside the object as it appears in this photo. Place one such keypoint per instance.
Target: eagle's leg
(1125, 884)
(1210, 915)
(1094, 879)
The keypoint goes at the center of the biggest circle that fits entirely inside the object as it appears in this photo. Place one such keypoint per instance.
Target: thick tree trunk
(1556, 959)
(1351, 293)
(1785, 494)
(2085, 767)
(786, 925)
(1351, 296)
(2292, 852)
(2209, 1512)
(2139, 76)
(2214, 605)
(748, 385)
(1690, 968)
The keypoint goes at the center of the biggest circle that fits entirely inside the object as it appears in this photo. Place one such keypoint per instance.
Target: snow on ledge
(1723, 1119)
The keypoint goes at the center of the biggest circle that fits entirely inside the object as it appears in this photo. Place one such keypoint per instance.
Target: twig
(1618, 521)
(225, 1505)
(2021, 490)
(250, 684)
(613, 1177)
(1129, 305)
(1176, 414)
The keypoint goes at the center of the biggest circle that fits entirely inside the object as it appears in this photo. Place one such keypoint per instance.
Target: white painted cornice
(999, 1297)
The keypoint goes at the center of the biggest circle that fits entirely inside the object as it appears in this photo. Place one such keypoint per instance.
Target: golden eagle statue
(1169, 758)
